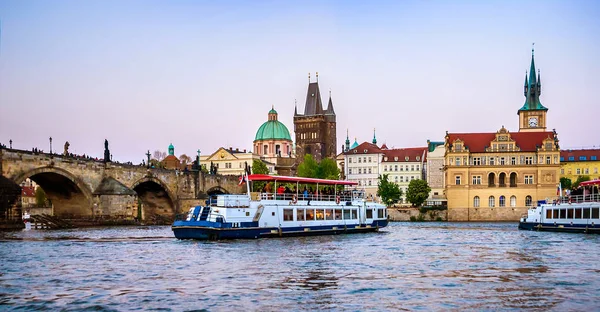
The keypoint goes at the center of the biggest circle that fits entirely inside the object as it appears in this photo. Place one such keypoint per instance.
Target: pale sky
(204, 74)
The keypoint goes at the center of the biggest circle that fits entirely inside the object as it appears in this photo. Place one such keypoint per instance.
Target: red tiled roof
(588, 153)
(28, 191)
(360, 149)
(477, 142)
(402, 153)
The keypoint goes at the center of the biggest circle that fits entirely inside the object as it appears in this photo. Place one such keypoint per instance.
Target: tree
(328, 169)
(565, 183)
(389, 192)
(158, 155)
(185, 160)
(580, 179)
(258, 167)
(417, 192)
(308, 168)
(40, 197)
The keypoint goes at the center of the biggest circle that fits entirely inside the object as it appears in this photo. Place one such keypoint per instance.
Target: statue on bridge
(106, 151)
(66, 151)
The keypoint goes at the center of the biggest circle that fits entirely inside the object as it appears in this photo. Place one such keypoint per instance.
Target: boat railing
(343, 197)
(588, 198)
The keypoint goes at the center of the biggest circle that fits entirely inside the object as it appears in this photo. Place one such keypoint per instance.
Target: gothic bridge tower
(316, 128)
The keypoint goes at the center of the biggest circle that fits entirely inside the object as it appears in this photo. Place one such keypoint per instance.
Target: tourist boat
(280, 213)
(578, 214)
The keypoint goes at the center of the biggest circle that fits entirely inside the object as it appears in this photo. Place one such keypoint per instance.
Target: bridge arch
(69, 195)
(158, 201)
(216, 190)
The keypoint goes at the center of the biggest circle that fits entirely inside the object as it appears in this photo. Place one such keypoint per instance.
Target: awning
(588, 183)
(266, 177)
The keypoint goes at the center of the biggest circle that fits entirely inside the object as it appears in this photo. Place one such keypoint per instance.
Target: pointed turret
(374, 138)
(525, 87)
(313, 106)
(539, 83)
(532, 90)
(295, 108)
(347, 141)
(329, 110)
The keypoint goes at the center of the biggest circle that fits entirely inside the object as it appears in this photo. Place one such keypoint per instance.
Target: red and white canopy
(589, 183)
(266, 177)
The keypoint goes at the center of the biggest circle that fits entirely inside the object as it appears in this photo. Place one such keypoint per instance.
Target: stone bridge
(88, 188)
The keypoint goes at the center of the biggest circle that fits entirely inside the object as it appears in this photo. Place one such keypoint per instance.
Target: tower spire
(347, 141)
(525, 87)
(374, 138)
(532, 88)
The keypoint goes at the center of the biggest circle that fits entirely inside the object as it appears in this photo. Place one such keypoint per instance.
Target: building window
(412, 168)
(395, 167)
(529, 179)
(562, 171)
(592, 157)
(562, 158)
(595, 170)
(529, 160)
(476, 201)
(477, 180)
(369, 158)
(458, 161)
(528, 201)
(513, 201)
(457, 180)
(492, 179)
(401, 178)
(513, 179)
(578, 171)
(476, 161)
(587, 170)
(548, 160)
(396, 179)
(501, 179)
(365, 158)
(571, 158)
(359, 170)
(492, 201)
(265, 150)
(513, 160)
(369, 170)
(359, 160)
(385, 168)
(502, 161)
(492, 161)
(502, 201)
(349, 170)
(417, 167)
(369, 182)
(582, 158)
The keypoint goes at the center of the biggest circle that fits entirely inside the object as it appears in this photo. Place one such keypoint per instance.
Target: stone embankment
(416, 214)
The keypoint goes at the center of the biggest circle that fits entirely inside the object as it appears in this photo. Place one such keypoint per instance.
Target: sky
(204, 74)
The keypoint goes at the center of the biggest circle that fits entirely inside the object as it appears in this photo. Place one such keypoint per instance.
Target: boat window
(369, 213)
(300, 215)
(288, 214)
(563, 213)
(380, 213)
(555, 214)
(586, 213)
(570, 213)
(310, 214)
(353, 212)
(549, 214)
(338, 214)
(578, 213)
(328, 214)
(346, 214)
(320, 214)
(595, 213)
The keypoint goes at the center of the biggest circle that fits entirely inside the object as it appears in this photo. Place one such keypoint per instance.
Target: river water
(407, 266)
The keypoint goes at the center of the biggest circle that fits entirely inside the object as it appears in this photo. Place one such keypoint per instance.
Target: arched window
(502, 201)
(513, 179)
(492, 201)
(502, 179)
(513, 201)
(265, 149)
(476, 201)
(491, 179)
(528, 201)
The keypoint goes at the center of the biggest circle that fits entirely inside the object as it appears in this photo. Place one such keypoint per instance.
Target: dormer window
(396, 158)
(365, 151)
(458, 147)
(418, 158)
(406, 158)
(385, 158)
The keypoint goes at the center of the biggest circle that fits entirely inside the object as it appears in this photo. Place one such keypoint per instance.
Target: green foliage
(580, 179)
(419, 218)
(326, 169)
(258, 167)
(40, 197)
(566, 183)
(418, 191)
(389, 192)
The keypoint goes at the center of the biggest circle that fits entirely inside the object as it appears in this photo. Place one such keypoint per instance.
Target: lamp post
(50, 145)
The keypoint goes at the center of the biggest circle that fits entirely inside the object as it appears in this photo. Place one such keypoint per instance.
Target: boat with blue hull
(575, 214)
(280, 213)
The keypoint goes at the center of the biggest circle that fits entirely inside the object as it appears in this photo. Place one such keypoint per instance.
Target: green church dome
(273, 129)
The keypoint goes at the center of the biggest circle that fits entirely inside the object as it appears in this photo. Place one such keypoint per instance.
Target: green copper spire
(532, 90)
(374, 138)
(171, 149)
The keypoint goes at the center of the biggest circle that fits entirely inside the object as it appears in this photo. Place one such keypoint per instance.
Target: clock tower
(532, 116)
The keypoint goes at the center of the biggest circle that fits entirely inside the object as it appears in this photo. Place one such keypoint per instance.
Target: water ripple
(430, 266)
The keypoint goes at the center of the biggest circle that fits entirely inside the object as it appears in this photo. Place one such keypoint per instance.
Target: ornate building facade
(498, 176)
(316, 128)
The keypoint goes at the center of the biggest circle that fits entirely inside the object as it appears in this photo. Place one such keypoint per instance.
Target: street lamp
(50, 145)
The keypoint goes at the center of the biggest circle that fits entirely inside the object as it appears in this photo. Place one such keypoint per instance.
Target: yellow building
(497, 176)
(576, 163)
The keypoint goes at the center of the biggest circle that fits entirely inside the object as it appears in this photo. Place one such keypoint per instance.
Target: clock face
(533, 122)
